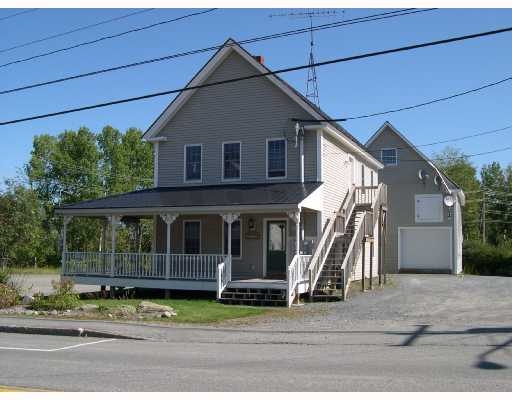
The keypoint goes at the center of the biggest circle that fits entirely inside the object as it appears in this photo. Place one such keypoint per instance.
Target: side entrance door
(276, 249)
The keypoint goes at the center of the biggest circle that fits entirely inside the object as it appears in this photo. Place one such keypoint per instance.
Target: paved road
(34, 283)
(356, 361)
(422, 333)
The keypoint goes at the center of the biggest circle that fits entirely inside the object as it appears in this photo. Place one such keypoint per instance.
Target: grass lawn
(34, 271)
(191, 311)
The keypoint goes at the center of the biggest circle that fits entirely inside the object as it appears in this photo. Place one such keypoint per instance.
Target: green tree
(23, 239)
(496, 202)
(458, 168)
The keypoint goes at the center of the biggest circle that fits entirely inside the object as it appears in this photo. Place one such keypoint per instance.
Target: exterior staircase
(330, 284)
(273, 297)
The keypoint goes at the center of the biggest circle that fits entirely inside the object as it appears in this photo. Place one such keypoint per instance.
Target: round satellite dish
(422, 175)
(448, 200)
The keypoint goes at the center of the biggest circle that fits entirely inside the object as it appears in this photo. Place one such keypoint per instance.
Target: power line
(103, 38)
(258, 75)
(18, 14)
(81, 28)
(369, 18)
(438, 100)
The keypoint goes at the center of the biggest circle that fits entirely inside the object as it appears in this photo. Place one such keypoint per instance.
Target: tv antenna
(312, 81)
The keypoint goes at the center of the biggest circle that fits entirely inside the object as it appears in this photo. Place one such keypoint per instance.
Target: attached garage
(425, 249)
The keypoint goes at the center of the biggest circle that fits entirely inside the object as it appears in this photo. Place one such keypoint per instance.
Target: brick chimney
(259, 59)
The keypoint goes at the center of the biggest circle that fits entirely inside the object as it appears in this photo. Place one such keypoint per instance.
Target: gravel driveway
(412, 299)
(34, 283)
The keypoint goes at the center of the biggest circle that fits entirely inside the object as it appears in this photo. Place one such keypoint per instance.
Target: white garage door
(425, 248)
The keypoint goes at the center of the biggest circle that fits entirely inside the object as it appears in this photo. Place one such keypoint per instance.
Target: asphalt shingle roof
(204, 196)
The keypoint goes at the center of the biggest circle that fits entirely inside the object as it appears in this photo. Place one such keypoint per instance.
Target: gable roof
(206, 71)
(448, 183)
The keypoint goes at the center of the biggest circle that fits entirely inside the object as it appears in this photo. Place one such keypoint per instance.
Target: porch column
(229, 219)
(67, 220)
(168, 219)
(114, 222)
(295, 217)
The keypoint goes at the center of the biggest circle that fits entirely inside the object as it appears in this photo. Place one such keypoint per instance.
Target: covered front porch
(204, 246)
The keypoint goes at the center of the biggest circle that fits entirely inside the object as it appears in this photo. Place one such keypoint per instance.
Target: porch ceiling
(261, 197)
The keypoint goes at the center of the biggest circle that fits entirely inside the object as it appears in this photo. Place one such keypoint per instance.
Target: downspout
(299, 134)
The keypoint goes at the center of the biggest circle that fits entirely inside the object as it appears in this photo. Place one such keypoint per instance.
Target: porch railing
(223, 275)
(295, 275)
(143, 265)
(366, 194)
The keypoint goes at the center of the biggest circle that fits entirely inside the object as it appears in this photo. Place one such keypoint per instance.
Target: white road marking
(57, 349)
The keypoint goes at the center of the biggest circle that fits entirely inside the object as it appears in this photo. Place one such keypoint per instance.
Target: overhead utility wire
(79, 29)
(438, 100)
(258, 75)
(339, 24)
(103, 38)
(18, 14)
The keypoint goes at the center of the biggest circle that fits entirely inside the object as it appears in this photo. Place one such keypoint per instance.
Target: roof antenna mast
(312, 82)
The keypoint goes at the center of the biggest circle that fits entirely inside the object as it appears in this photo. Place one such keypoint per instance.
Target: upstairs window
(193, 167)
(276, 158)
(231, 156)
(388, 157)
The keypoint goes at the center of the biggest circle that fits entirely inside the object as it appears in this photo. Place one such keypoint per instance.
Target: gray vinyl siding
(250, 264)
(403, 183)
(248, 111)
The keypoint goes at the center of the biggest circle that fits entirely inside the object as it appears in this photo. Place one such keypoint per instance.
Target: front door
(276, 249)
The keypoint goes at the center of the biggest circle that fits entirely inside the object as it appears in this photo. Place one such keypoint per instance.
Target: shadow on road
(483, 362)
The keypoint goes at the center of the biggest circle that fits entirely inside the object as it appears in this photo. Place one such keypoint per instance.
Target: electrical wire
(103, 38)
(353, 21)
(258, 75)
(17, 14)
(74, 30)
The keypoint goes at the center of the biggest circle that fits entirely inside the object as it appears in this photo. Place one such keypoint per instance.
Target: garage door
(425, 248)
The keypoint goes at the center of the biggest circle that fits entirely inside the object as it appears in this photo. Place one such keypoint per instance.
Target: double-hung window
(192, 237)
(276, 158)
(231, 160)
(389, 157)
(236, 239)
(193, 162)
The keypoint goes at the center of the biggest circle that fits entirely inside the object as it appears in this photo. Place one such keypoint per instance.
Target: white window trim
(430, 221)
(224, 179)
(275, 139)
(241, 237)
(185, 221)
(185, 180)
(396, 156)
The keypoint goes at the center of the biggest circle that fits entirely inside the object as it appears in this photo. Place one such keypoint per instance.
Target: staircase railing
(223, 275)
(337, 224)
(353, 251)
(295, 275)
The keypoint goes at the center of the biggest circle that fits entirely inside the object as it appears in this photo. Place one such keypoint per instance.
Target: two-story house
(247, 201)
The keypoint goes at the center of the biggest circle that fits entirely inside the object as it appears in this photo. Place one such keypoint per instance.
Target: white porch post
(229, 219)
(67, 220)
(295, 217)
(168, 219)
(114, 222)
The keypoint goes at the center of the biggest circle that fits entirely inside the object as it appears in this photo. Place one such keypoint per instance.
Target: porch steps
(330, 285)
(254, 296)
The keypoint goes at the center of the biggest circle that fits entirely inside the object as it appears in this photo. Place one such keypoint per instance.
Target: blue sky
(345, 89)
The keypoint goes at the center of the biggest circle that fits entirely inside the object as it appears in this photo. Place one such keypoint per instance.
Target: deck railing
(366, 194)
(295, 275)
(143, 265)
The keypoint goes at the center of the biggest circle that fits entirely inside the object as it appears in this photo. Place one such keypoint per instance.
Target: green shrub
(4, 276)
(63, 297)
(9, 296)
(485, 259)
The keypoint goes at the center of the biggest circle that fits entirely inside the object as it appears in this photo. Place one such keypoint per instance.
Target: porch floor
(258, 283)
